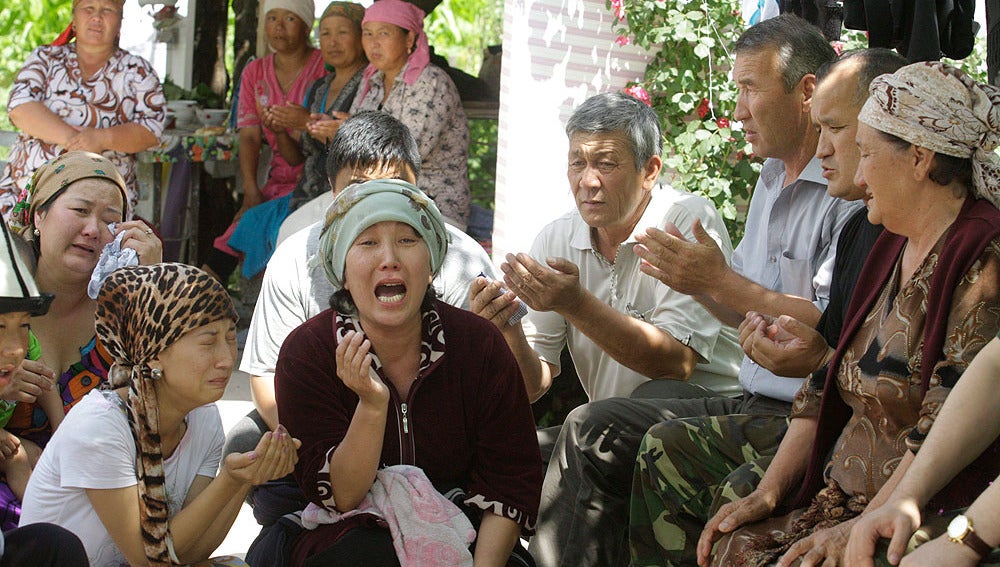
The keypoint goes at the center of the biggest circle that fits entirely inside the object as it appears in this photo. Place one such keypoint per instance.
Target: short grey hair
(800, 46)
(618, 112)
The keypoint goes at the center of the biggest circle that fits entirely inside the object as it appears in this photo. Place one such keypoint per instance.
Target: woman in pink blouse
(87, 95)
(277, 79)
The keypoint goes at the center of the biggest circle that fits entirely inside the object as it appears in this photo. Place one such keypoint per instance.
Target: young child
(20, 300)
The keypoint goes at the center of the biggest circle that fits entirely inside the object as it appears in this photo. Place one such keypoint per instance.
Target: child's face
(14, 329)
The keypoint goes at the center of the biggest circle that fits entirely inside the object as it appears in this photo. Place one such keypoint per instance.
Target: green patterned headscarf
(360, 206)
(350, 10)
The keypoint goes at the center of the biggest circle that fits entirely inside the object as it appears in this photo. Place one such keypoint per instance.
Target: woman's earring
(36, 232)
(156, 373)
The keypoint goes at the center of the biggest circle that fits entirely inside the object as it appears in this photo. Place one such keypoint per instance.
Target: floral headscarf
(141, 311)
(52, 177)
(938, 107)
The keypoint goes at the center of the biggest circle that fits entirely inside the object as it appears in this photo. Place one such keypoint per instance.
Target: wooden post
(245, 40)
(210, 19)
(993, 40)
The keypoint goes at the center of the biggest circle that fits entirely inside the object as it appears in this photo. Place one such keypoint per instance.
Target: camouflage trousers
(685, 470)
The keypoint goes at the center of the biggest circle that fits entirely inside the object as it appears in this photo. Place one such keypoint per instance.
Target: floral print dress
(125, 91)
(432, 110)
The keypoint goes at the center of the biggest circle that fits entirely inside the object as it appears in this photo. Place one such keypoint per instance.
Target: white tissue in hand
(112, 257)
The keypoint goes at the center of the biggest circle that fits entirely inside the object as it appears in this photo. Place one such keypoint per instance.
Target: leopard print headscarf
(938, 107)
(141, 311)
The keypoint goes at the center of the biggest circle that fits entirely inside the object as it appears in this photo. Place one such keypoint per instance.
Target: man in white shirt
(782, 266)
(582, 280)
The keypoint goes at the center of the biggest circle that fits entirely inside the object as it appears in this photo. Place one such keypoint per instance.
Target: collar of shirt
(773, 173)
(581, 236)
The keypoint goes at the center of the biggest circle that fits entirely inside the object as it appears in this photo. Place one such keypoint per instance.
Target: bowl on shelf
(213, 116)
(184, 111)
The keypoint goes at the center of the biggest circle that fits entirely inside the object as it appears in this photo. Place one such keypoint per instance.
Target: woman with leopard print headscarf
(132, 471)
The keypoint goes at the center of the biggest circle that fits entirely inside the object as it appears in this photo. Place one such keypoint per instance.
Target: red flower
(722, 122)
(838, 46)
(640, 93)
(619, 6)
(703, 108)
(623, 40)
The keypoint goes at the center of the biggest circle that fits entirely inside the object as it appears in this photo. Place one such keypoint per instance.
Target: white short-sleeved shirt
(93, 449)
(789, 246)
(295, 288)
(622, 286)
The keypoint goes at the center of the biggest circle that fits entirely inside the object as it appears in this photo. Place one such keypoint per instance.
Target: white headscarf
(304, 9)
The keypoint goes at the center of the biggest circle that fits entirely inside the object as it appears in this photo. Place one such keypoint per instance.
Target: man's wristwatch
(960, 530)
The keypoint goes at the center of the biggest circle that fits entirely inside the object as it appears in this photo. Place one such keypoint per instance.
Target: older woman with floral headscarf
(86, 95)
(133, 472)
(391, 376)
(401, 80)
(927, 301)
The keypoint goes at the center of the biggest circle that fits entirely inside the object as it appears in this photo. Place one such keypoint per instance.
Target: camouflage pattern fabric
(686, 469)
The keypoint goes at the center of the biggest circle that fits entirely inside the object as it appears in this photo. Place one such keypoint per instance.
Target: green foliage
(689, 87)
(483, 161)
(460, 30)
(23, 26)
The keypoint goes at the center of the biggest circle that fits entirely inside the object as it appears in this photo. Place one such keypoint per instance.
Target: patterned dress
(125, 91)
(432, 110)
(879, 379)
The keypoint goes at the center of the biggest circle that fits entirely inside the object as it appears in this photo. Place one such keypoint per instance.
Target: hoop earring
(156, 373)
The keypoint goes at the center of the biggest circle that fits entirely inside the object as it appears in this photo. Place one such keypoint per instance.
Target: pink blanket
(427, 529)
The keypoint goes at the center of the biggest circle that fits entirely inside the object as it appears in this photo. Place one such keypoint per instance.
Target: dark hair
(944, 169)
(800, 46)
(619, 112)
(371, 139)
(871, 62)
(343, 303)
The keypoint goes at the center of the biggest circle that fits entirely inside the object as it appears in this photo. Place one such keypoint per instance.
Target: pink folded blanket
(427, 529)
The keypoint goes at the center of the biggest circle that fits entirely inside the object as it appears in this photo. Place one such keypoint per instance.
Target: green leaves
(691, 91)
(24, 26)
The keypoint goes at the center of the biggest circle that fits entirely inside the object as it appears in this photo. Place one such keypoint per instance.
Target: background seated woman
(401, 81)
(133, 470)
(312, 126)
(86, 95)
(279, 78)
(391, 376)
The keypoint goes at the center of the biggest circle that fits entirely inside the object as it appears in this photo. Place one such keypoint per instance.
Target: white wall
(173, 60)
(557, 53)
